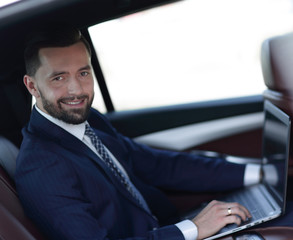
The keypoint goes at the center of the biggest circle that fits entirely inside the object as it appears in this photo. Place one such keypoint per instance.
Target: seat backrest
(277, 68)
(8, 154)
(277, 61)
(8, 196)
(9, 200)
(11, 228)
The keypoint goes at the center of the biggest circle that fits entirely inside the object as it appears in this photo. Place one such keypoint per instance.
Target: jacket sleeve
(175, 170)
(181, 170)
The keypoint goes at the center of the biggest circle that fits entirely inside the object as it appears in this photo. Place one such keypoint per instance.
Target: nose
(74, 86)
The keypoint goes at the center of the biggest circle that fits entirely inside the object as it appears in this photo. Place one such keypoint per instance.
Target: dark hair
(49, 36)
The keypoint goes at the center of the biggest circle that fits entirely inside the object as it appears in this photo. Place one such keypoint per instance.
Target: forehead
(58, 57)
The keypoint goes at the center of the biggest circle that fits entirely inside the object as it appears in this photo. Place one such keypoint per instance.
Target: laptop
(266, 200)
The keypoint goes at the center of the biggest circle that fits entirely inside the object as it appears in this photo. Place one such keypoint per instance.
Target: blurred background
(188, 51)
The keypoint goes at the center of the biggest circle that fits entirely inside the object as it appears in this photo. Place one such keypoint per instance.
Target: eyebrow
(87, 67)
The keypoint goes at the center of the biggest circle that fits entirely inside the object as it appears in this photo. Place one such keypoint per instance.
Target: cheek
(89, 87)
(52, 94)
(57, 94)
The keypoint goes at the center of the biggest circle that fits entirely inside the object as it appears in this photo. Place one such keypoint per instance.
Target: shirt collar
(76, 130)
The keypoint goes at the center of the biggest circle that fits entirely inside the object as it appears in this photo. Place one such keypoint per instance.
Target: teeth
(73, 103)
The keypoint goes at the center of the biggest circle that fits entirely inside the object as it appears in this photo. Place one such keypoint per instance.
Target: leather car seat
(11, 211)
(277, 69)
(270, 233)
(9, 200)
(8, 154)
(11, 228)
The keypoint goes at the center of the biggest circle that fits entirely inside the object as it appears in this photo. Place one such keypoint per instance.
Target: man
(77, 186)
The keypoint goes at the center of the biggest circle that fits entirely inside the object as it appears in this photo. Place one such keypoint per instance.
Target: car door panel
(188, 136)
(195, 125)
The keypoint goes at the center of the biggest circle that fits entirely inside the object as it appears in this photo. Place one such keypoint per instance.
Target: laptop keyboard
(252, 198)
(254, 201)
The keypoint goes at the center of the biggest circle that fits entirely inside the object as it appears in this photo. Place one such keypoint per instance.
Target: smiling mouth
(73, 102)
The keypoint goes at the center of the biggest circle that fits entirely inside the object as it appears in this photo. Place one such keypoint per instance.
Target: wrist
(188, 229)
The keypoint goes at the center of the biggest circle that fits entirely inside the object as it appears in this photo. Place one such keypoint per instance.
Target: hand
(216, 215)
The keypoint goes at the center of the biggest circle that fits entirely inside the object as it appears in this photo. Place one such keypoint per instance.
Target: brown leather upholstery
(277, 67)
(276, 233)
(11, 228)
(277, 62)
(271, 233)
(276, 59)
(13, 211)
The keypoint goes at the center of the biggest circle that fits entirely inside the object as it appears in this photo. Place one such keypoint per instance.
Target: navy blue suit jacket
(68, 191)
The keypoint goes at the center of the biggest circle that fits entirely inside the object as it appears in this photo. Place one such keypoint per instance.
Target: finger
(237, 211)
(215, 203)
(244, 210)
(232, 219)
(212, 204)
(238, 207)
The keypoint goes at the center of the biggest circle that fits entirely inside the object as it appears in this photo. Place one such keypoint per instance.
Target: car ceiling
(19, 18)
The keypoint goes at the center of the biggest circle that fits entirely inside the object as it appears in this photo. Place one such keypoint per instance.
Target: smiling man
(78, 178)
(63, 92)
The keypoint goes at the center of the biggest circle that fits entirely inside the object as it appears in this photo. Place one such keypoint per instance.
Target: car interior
(229, 127)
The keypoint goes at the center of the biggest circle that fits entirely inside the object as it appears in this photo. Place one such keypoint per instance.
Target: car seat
(277, 69)
(14, 224)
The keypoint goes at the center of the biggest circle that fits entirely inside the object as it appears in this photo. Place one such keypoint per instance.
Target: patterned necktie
(114, 168)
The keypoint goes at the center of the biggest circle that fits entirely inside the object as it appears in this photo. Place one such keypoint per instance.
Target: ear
(30, 84)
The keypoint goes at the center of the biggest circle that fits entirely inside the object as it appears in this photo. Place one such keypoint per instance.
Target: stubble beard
(72, 116)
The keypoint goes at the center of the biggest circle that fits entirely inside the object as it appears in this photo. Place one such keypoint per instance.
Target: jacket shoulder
(99, 121)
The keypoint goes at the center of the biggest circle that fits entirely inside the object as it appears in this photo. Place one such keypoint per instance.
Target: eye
(58, 78)
(84, 74)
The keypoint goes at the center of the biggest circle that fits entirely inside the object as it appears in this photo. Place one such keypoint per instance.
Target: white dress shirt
(187, 227)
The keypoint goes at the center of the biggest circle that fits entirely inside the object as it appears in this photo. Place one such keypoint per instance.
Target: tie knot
(89, 131)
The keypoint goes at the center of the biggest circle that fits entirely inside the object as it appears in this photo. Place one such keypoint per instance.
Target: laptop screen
(276, 138)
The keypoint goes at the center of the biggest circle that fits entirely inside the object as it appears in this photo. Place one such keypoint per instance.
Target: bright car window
(188, 51)
(7, 2)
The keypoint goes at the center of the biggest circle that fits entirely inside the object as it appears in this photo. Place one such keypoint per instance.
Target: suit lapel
(44, 128)
(80, 147)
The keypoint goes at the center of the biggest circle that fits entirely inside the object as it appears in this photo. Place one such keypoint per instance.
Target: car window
(188, 51)
(98, 102)
(7, 2)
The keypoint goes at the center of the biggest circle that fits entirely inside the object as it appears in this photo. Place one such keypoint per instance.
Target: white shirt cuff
(188, 229)
(252, 174)
(271, 174)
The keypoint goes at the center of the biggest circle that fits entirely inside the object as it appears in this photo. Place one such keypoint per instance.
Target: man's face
(63, 84)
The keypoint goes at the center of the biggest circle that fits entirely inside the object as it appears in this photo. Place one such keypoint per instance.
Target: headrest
(277, 63)
(8, 154)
